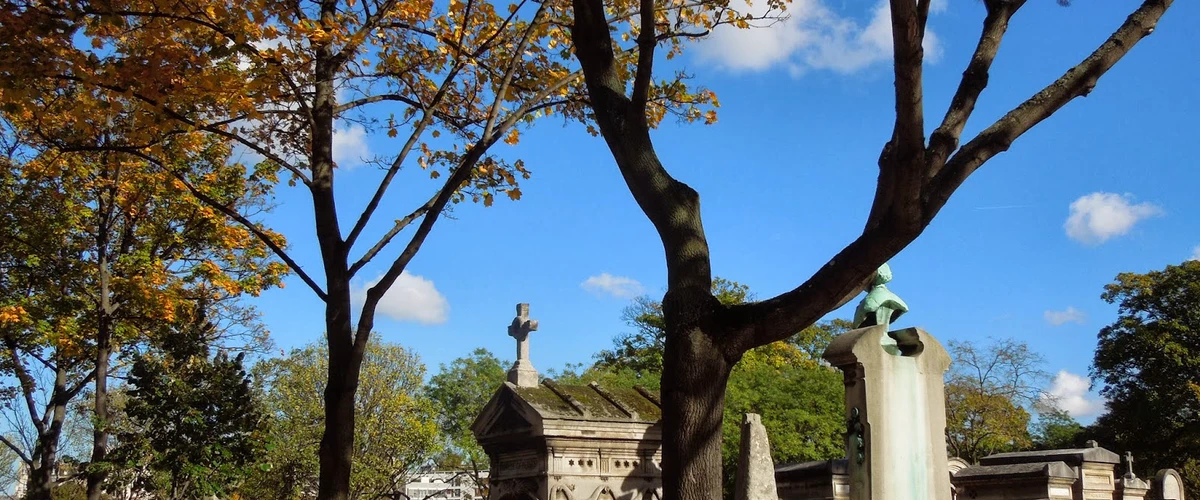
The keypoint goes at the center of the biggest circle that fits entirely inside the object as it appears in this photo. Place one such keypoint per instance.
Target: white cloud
(814, 37)
(617, 286)
(350, 146)
(1070, 393)
(1195, 253)
(410, 298)
(1068, 315)
(1096, 217)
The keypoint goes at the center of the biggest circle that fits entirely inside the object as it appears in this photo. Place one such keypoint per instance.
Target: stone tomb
(549, 441)
(1018, 481)
(816, 480)
(1032, 475)
(1092, 465)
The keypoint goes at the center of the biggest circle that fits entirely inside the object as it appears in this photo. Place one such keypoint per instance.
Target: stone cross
(522, 373)
(1129, 465)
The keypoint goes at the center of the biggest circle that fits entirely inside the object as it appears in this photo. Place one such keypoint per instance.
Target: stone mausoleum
(549, 441)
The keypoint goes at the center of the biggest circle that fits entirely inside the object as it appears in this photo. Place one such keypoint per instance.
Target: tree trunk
(95, 475)
(337, 441)
(693, 389)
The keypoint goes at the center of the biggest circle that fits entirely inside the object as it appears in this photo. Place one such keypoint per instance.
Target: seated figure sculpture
(880, 306)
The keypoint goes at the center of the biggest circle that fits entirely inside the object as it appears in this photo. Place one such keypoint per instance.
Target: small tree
(460, 391)
(990, 392)
(1056, 429)
(395, 433)
(196, 425)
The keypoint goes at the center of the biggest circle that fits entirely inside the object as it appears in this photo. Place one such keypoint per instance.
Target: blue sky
(786, 177)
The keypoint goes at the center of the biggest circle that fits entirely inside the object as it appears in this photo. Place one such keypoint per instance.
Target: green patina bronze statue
(881, 306)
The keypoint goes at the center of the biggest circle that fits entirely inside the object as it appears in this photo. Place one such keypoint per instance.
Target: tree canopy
(1148, 363)
(103, 252)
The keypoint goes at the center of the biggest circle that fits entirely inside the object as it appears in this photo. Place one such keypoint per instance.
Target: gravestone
(756, 471)
(1167, 485)
(895, 402)
(895, 412)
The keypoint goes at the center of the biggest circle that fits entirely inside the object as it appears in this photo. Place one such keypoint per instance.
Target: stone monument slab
(756, 470)
(895, 413)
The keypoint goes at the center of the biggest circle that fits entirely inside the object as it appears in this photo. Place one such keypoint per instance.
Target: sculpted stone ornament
(522, 373)
(881, 306)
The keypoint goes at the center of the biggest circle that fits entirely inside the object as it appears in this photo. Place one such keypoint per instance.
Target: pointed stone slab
(756, 470)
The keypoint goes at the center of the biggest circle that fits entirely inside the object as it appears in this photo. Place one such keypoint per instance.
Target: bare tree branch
(776, 318)
(387, 237)
(646, 42)
(240, 219)
(502, 89)
(975, 78)
(1076, 82)
(27, 385)
(20, 454)
(908, 134)
(428, 112)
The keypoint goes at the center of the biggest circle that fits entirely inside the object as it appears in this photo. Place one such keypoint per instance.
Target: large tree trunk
(337, 440)
(693, 389)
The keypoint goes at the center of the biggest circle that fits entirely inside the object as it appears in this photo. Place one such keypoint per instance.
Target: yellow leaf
(512, 138)
(436, 134)
(514, 194)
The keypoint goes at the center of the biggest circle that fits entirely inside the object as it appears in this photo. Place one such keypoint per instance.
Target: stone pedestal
(895, 412)
(523, 374)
